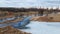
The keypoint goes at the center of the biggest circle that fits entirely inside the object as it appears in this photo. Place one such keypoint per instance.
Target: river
(36, 27)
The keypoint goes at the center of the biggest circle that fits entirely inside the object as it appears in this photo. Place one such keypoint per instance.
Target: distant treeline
(25, 9)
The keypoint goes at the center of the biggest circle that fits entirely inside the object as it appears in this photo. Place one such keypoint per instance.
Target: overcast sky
(29, 3)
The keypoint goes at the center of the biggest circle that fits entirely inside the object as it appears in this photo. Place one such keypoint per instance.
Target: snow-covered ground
(43, 28)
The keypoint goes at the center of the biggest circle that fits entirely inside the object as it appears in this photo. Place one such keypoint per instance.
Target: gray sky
(29, 3)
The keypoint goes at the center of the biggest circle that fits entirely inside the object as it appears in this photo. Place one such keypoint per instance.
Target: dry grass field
(54, 17)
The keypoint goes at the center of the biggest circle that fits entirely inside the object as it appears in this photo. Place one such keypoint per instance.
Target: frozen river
(36, 27)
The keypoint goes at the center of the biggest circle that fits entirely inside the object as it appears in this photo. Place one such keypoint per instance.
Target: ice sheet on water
(43, 28)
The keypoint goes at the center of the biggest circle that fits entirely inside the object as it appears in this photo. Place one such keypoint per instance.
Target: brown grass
(47, 18)
(40, 18)
(10, 30)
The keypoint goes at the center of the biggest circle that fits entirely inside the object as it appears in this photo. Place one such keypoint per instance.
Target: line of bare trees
(40, 10)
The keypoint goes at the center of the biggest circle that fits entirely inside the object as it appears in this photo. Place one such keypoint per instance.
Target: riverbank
(10, 19)
(40, 18)
(49, 18)
(11, 30)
